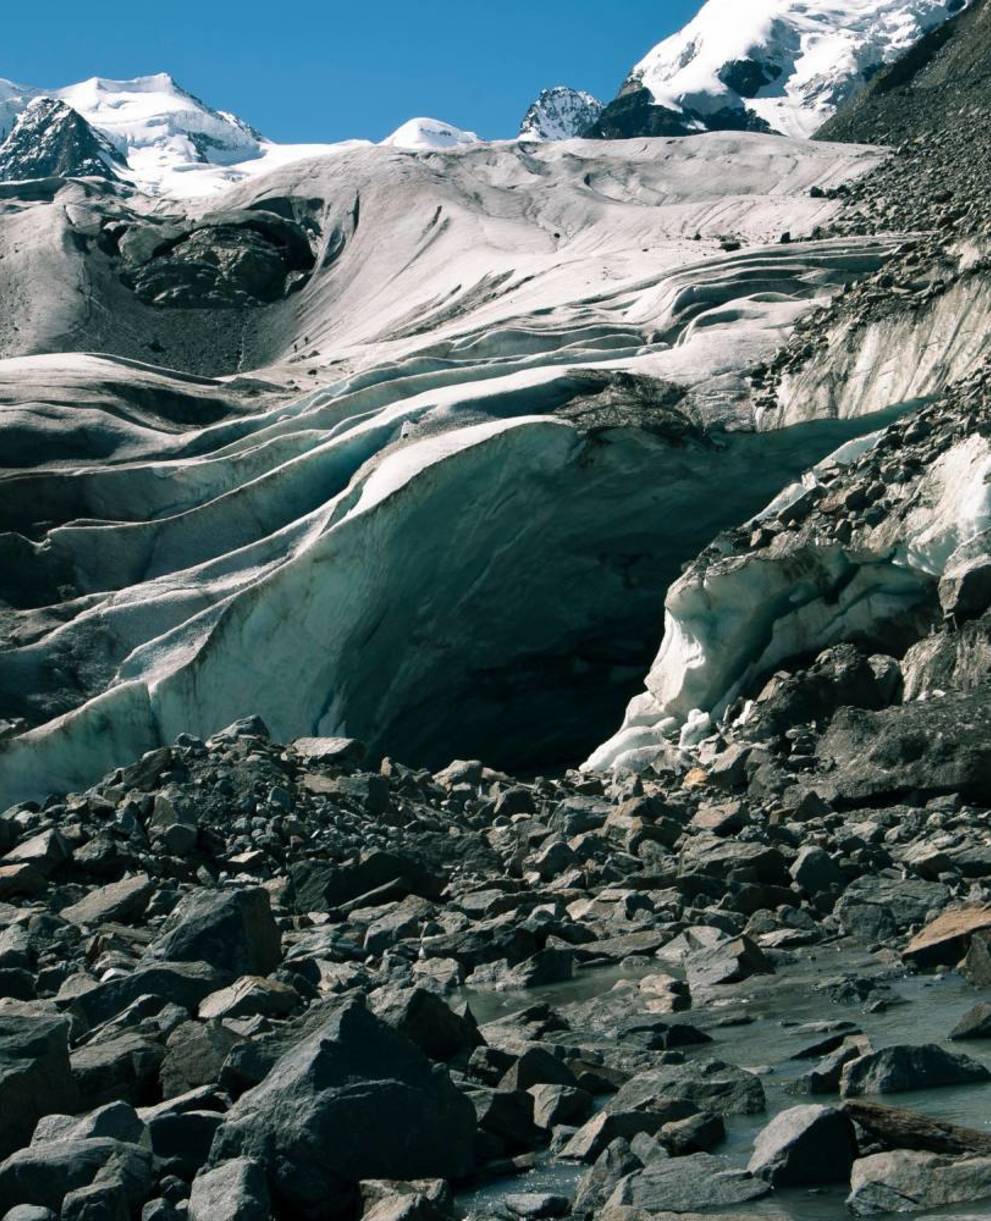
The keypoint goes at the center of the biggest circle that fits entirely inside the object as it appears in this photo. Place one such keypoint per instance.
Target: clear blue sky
(329, 69)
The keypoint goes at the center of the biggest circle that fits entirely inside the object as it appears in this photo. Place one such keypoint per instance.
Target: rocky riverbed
(247, 980)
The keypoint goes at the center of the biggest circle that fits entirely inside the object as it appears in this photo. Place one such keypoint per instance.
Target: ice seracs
(561, 113)
(784, 63)
(426, 135)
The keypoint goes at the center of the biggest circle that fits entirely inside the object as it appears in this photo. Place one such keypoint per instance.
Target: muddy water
(767, 1014)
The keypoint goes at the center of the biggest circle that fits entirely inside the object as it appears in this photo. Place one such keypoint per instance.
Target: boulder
(598, 1182)
(179, 983)
(708, 1085)
(120, 902)
(122, 1068)
(45, 1173)
(687, 1184)
(424, 1019)
(909, 1066)
(944, 941)
(927, 747)
(35, 1076)
(805, 1146)
(537, 1066)
(877, 908)
(251, 996)
(554, 1105)
(898, 1128)
(97, 1202)
(194, 1055)
(595, 1136)
(814, 870)
(44, 852)
(975, 1024)
(728, 962)
(903, 1180)
(976, 964)
(507, 1115)
(232, 930)
(234, 1191)
(353, 1101)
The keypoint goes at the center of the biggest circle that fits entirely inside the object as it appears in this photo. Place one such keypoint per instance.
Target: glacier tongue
(524, 399)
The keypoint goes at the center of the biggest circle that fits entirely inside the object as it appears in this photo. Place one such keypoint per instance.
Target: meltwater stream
(759, 1025)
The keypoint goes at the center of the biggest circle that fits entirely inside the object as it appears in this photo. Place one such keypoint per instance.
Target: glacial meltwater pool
(767, 1013)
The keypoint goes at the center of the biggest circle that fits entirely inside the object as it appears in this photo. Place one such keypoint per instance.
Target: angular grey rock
(708, 1085)
(45, 852)
(97, 1202)
(35, 1076)
(907, 1181)
(598, 1182)
(123, 1068)
(594, 1137)
(233, 1191)
(909, 1067)
(181, 983)
(30, 1212)
(728, 962)
(119, 901)
(194, 1054)
(251, 996)
(423, 1018)
(316, 1121)
(805, 1146)
(687, 1184)
(975, 1024)
(232, 930)
(815, 870)
(44, 1174)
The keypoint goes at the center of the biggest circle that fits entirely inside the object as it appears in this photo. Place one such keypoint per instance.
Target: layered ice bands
(530, 407)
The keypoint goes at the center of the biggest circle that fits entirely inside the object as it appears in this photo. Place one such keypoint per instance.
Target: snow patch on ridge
(428, 135)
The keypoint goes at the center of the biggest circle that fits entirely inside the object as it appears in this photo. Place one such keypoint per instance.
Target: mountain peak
(560, 113)
(51, 140)
(773, 65)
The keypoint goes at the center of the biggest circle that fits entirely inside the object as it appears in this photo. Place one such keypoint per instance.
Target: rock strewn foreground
(232, 982)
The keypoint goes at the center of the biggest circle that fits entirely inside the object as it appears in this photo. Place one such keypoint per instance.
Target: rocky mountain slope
(50, 140)
(560, 113)
(766, 65)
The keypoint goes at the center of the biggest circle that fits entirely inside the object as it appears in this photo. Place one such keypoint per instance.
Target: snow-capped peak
(560, 113)
(161, 137)
(790, 63)
(50, 139)
(422, 134)
(156, 124)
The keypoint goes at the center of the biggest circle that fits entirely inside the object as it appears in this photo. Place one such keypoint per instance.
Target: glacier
(470, 484)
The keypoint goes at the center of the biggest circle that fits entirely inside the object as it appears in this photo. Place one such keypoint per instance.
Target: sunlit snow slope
(788, 63)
